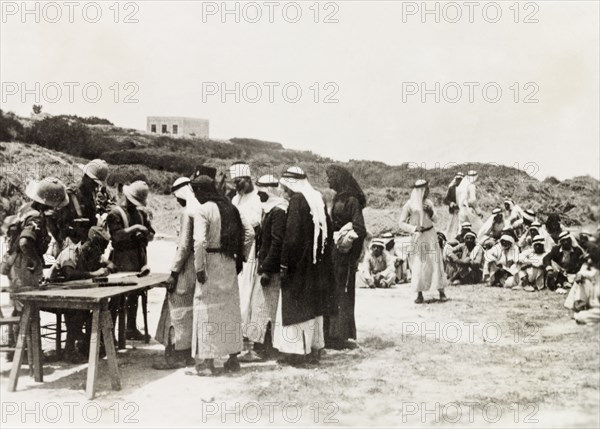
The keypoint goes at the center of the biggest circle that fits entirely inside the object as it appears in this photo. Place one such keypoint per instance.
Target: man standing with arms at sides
(248, 203)
(265, 295)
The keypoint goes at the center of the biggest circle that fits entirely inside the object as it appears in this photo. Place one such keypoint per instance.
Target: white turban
(239, 169)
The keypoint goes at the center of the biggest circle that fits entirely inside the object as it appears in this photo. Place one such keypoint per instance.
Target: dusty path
(494, 357)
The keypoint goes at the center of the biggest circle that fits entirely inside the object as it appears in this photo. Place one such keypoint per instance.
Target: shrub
(551, 180)
(58, 134)
(90, 120)
(10, 128)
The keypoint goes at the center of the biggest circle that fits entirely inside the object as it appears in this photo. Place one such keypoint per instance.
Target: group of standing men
(267, 272)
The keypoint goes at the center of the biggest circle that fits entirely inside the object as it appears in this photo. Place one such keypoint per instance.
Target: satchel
(344, 238)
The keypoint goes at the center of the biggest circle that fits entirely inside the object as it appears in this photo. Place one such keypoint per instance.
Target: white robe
(250, 209)
(466, 199)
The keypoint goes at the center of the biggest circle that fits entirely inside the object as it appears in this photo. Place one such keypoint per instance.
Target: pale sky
(369, 55)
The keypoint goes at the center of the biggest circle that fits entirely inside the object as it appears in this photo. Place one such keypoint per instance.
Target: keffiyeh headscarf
(182, 189)
(268, 184)
(457, 179)
(295, 179)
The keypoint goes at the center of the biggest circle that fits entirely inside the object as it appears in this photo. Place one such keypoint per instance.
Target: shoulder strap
(76, 205)
(123, 216)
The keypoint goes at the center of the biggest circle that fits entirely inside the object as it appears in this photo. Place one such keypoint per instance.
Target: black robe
(270, 241)
(304, 291)
(340, 324)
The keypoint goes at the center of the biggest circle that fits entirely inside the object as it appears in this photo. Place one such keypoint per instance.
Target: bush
(58, 134)
(90, 120)
(10, 128)
(551, 180)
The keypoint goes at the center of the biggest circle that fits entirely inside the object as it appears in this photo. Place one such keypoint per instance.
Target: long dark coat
(270, 241)
(304, 291)
(340, 325)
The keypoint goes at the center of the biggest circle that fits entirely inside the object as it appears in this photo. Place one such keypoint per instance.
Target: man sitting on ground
(584, 297)
(531, 268)
(492, 229)
(502, 265)
(399, 262)
(378, 269)
(563, 263)
(464, 228)
(469, 261)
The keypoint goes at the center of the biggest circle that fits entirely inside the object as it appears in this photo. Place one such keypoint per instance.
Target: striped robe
(177, 307)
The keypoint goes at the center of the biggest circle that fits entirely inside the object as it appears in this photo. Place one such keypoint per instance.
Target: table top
(95, 292)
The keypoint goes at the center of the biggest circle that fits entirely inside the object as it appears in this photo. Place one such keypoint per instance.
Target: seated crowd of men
(512, 249)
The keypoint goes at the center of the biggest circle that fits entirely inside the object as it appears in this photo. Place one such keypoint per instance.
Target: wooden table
(93, 298)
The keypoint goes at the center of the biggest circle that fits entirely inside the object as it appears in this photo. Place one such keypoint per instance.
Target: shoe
(455, 282)
(443, 298)
(529, 288)
(232, 365)
(561, 291)
(136, 335)
(419, 300)
(250, 356)
(518, 287)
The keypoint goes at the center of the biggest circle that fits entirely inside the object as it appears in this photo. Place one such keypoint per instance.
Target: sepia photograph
(311, 213)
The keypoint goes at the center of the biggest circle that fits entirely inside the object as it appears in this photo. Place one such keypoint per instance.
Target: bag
(344, 238)
(12, 226)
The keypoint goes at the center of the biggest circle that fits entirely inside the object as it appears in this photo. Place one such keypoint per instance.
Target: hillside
(160, 159)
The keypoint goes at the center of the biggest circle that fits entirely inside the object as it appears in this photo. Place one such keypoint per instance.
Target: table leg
(18, 357)
(30, 352)
(94, 352)
(111, 354)
(58, 339)
(122, 321)
(36, 344)
(145, 314)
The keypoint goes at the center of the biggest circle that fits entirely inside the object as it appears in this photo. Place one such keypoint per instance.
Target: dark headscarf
(232, 231)
(348, 186)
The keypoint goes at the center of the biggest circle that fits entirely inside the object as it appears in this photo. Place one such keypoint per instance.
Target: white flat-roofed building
(177, 126)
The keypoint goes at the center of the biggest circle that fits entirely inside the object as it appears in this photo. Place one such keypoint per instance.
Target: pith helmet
(137, 192)
(97, 170)
(50, 192)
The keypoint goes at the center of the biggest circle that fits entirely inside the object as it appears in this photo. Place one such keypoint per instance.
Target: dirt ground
(487, 357)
